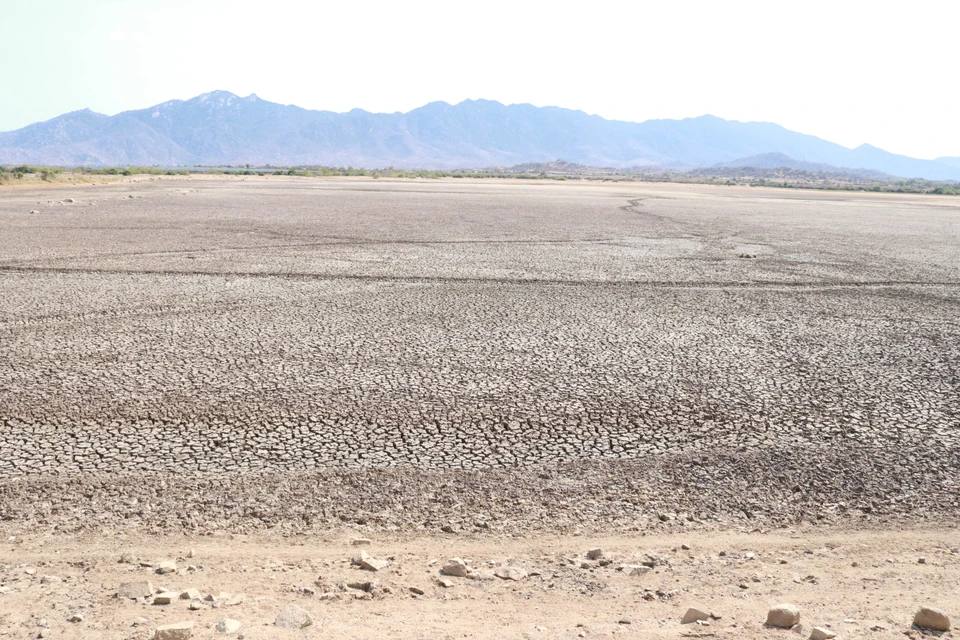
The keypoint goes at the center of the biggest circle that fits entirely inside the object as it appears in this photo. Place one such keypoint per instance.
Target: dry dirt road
(860, 584)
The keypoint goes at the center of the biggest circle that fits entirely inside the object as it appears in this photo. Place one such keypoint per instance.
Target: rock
(481, 576)
(194, 605)
(594, 554)
(167, 566)
(634, 569)
(446, 583)
(135, 590)
(822, 633)
(228, 625)
(373, 564)
(76, 616)
(166, 598)
(49, 579)
(416, 590)
(191, 594)
(934, 619)
(191, 553)
(293, 617)
(685, 547)
(138, 622)
(360, 542)
(783, 616)
(511, 573)
(362, 586)
(625, 620)
(69, 200)
(693, 614)
(799, 630)
(234, 600)
(175, 631)
(34, 211)
(455, 567)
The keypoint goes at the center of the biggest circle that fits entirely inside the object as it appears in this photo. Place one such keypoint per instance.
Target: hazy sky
(851, 72)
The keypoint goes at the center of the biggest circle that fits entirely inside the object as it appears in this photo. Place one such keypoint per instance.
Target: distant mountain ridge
(221, 128)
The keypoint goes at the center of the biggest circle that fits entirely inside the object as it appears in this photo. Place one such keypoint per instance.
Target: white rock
(191, 594)
(783, 616)
(374, 564)
(359, 542)
(228, 625)
(175, 631)
(293, 617)
(635, 569)
(168, 597)
(934, 619)
(822, 633)
(511, 573)
(167, 566)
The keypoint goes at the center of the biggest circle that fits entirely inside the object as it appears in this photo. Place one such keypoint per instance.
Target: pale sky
(881, 72)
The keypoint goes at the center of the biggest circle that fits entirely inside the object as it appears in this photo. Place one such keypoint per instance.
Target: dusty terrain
(534, 368)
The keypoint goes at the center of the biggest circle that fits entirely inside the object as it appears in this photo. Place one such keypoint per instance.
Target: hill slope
(222, 128)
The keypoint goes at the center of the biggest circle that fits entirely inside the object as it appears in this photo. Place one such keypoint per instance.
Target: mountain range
(220, 128)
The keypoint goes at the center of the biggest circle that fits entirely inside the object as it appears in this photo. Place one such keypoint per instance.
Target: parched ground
(536, 367)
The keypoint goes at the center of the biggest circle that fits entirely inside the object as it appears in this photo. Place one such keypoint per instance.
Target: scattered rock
(446, 583)
(455, 567)
(934, 619)
(594, 554)
(228, 625)
(362, 586)
(693, 615)
(76, 616)
(191, 594)
(135, 590)
(511, 573)
(49, 579)
(166, 598)
(175, 631)
(138, 622)
(416, 590)
(360, 542)
(634, 569)
(625, 620)
(783, 616)
(374, 564)
(822, 633)
(293, 617)
(167, 566)
(194, 605)
(234, 600)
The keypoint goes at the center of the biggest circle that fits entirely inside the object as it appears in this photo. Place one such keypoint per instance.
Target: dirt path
(860, 584)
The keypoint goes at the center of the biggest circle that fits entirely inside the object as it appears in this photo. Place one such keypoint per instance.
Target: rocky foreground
(352, 582)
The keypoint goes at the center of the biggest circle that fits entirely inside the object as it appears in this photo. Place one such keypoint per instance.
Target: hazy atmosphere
(851, 72)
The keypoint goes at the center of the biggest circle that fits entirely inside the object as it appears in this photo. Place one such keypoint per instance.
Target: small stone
(594, 554)
(166, 598)
(191, 594)
(799, 630)
(783, 616)
(167, 566)
(191, 553)
(416, 591)
(360, 542)
(455, 567)
(625, 620)
(373, 564)
(34, 211)
(135, 590)
(138, 622)
(175, 631)
(76, 616)
(635, 569)
(293, 617)
(194, 605)
(693, 615)
(49, 579)
(921, 561)
(685, 547)
(821, 633)
(511, 573)
(361, 586)
(228, 625)
(234, 600)
(934, 619)
(446, 583)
